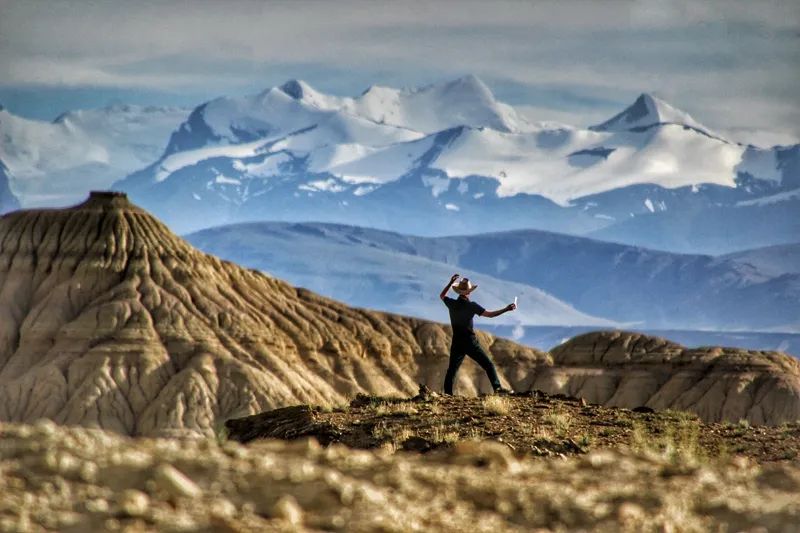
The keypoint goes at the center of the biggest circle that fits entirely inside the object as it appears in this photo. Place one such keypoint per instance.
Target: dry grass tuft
(497, 405)
(440, 434)
(387, 408)
(678, 442)
(560, 419)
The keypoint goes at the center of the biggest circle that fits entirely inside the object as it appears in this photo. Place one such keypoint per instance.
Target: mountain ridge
(629, 285)
(245, 156)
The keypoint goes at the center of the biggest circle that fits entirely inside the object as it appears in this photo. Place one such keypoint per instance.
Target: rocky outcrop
(109, 320)
(623, 369)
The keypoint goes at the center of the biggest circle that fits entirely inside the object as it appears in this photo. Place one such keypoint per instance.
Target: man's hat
(464, 287)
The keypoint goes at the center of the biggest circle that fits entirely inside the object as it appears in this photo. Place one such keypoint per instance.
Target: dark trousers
(468, 345)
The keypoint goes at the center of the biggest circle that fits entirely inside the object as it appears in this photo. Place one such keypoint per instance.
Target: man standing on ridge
(465, 342)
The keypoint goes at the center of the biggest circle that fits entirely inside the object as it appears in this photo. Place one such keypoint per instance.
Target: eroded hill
(107, 319)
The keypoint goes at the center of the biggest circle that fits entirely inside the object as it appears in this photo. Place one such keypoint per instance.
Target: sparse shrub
(740, 428)
(401, 435)
(221, 434)
(497, 405)
(476, 433)
(678, 441)
(560, 420)
(541, 433)
(440, 434)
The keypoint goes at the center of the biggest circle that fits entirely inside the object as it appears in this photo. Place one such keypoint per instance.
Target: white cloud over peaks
(712, 53)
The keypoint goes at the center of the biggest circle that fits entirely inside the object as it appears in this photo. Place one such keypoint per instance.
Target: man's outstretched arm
(453, 279)
(492, 314)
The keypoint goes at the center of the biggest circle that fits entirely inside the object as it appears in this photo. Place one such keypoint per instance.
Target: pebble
(174, 482)
(134, 502)
(222, 507)
(288, 509)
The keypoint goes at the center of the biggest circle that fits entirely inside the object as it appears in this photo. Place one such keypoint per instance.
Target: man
(464, 340)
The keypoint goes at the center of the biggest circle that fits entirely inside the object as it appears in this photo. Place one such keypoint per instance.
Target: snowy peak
(647, 111)
(468, 88)
(465, 101)
(300, 90)
(8, 202)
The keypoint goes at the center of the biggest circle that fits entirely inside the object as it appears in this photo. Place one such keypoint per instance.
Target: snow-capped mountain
(449, 158)
(634, 286)
(379, 116)
(8, 202)
(648, 111)
(56, 163)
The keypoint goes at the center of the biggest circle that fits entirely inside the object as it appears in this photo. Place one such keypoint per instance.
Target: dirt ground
(531, 424)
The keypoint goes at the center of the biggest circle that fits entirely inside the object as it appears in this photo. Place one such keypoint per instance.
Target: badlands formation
(109, 320)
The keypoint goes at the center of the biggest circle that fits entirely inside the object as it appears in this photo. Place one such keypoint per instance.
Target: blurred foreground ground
(75, 479)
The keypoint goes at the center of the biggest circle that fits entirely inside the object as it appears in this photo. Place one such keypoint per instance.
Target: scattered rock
(417, 444)
(282, 486)
(288, 509)
(175, 483)
(132, 502)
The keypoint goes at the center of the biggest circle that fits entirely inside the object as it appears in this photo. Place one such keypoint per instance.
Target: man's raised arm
(453, 279)
(492, 314)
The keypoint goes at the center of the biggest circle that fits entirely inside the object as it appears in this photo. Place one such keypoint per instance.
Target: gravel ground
(75, 479)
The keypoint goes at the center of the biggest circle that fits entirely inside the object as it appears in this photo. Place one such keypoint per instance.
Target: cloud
(732, 64)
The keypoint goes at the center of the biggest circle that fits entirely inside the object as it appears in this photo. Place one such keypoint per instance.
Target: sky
(734, 65)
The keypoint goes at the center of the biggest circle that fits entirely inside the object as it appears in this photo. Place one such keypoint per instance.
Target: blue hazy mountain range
(625, 285)
(449, 158)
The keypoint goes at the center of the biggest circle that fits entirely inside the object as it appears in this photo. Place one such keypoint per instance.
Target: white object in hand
(515, 301)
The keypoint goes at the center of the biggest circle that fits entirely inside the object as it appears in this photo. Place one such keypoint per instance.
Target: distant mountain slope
(55, 163)
(718, 229)
(450, 158)
(339, 266)
(622, 283)
(772, 260)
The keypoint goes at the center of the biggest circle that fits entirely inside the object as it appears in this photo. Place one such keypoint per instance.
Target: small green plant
(741, 427)
(221, 434)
